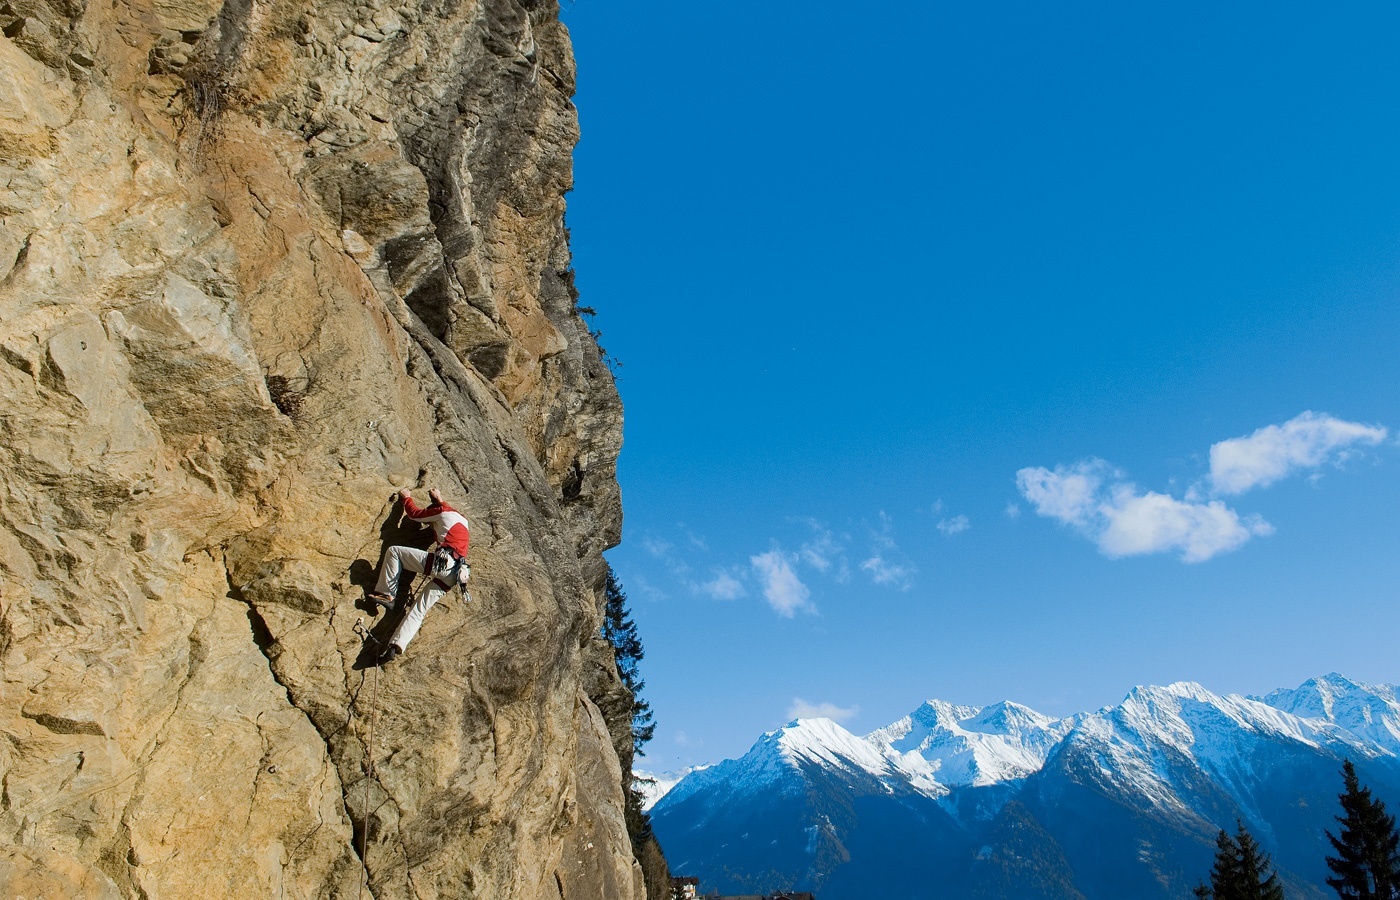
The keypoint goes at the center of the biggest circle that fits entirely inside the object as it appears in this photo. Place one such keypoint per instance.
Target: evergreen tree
(621, 632)
(1226, 879)
(1242, 871)
(1367, 864)
(1260, 882)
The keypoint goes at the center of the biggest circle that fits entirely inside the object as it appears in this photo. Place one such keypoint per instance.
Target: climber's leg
(430, 593)
(396, 559)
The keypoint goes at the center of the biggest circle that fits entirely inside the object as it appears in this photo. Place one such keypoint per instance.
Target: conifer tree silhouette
(1367, 864)
(1242, 871)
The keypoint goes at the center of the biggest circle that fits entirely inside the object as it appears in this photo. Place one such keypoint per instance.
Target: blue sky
(966, 349)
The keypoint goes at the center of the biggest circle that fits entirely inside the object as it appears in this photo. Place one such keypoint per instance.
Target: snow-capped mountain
(1371, 712)
(969, 745)
(1157, 741)
(1121, 802)
(655, 785)
(784, 760)
(799, 804)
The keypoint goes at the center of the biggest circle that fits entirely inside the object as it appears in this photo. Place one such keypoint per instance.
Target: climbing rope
(369, 775)
(366, 638)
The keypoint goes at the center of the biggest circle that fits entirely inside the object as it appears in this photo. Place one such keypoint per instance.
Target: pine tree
(1226, 880)
(1367, 864)
(1242, 871)
(621, 632)
(1260, 882)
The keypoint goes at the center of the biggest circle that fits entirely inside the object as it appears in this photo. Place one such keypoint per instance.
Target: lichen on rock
(261, 266)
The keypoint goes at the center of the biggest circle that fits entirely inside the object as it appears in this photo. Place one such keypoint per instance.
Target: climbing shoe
(383, 600)
(391, 653)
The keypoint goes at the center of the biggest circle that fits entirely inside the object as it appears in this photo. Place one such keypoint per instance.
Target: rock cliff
(261, 265)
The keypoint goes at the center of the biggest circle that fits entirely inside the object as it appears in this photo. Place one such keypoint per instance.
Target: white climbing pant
(395, 561)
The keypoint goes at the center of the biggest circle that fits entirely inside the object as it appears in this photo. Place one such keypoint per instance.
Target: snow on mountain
(1145, 744)
(1152, 744)
(1153, 776)
(778, 758)
(823, 741)
(1370, 712)
(969, 745)
(655, 785)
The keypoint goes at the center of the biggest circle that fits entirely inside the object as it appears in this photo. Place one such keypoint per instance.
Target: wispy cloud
(696, 541)
(1013, 511)
(657, 547)
(823, 550)
(883, 537)
(1274, 452)
(882, 571)
(1092, 497)
(783, 590)
(885, 563)
(646, 589)
(801, 709)
(667, 553)
(723, 586)
(954, 525)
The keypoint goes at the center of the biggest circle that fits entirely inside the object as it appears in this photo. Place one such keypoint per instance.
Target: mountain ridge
(1168, 765)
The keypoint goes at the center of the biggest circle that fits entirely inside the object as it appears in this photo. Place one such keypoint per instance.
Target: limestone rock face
(260, 266)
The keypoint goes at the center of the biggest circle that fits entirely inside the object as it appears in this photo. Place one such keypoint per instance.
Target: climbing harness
(449, 568)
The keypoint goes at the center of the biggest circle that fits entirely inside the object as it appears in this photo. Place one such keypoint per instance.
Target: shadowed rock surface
(261, 265)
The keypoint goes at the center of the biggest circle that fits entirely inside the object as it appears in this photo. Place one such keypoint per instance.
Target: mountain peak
(1371, 712)
(967, 745)
(817, 740)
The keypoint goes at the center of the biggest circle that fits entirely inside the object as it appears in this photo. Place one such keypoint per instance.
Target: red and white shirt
(449, 526)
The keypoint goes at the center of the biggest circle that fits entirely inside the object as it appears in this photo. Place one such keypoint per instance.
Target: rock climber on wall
(445, 567)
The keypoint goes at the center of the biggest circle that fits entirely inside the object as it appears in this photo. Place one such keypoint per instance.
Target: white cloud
(955, 525)
(882, 571)
(1013, 511)
(801, 709)
(1305, 441)
(782, 588)
(722, 587)
(1069, 493)
(1123, 522)
(1135, 524)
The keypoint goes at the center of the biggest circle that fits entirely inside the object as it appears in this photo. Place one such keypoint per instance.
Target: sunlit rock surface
(261, 265)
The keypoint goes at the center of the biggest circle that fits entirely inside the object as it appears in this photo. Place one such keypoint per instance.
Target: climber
(445, 567)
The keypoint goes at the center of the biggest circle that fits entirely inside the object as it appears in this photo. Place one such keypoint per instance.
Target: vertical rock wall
(261, 264)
